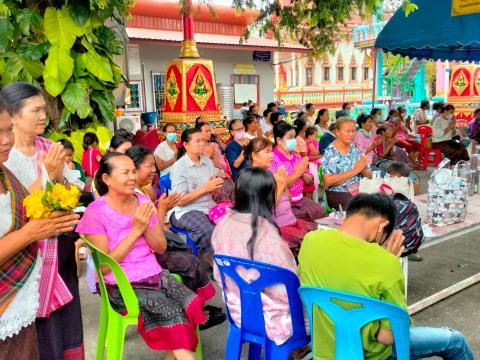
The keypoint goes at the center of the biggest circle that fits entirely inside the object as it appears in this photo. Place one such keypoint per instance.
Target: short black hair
(138, 153)
(437, 106)
(308, 106)
(187, 134)
(374, 111)
(201, 124)
(374, 205)
(66, 144)
(398, 167)
(424, 104)
(16, 93)
(298, 124)
(271, 105)
(310, 131)
(266, 112)
(362, 119)
(345, 105)
(118, 140)
(232, 122)
(280, 129)
(165, 127)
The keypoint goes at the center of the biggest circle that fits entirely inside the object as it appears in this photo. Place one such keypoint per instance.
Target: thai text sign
(464, 7)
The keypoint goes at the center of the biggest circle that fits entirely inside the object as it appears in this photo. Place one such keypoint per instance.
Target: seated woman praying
(124, 224)
(176, 259)
(343, 165)
(248, 231)
(443, 129)
(297, 170)
(260, 154)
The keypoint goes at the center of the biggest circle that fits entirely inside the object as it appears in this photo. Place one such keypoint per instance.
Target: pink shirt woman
(289, 163)
(99, 218)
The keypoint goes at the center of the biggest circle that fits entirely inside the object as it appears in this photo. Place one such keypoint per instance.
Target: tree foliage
(313, 23)
(67, 48)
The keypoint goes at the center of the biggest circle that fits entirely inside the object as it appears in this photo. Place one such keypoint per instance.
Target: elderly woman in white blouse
(20, 264)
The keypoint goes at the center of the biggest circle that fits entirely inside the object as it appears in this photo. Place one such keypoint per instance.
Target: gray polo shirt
(186, 177)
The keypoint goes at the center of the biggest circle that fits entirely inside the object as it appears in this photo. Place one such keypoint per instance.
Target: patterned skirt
(169, 312)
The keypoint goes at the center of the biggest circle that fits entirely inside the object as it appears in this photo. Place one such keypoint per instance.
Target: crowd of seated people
(265, 172)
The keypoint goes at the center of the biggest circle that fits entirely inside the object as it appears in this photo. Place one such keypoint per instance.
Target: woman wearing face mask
(234, 151)
(260, 154)
(166, 152)
(377, 120)
(403, 139)
(297, 170)
(443, 129)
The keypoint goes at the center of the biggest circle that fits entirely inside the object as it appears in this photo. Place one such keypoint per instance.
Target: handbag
(447, 196)
(400, 185)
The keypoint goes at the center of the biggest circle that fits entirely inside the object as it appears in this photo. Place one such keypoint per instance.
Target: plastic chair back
(112, 325)
(252, 319)
(348, 323)
(165, 183)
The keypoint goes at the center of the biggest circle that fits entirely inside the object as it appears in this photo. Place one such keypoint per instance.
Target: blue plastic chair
(348, 323)
(252, 329)
(165, 184)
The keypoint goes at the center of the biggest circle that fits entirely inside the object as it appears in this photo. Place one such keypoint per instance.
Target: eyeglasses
(239, 129)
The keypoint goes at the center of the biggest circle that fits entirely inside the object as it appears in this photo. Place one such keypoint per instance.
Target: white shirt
(265, 126)
(311, 120)
(164, 152)
(438, 129)
(250, 137)
(22, 311)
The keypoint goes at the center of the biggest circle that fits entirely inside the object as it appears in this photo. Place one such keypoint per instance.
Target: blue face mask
(172, 137)
(291, 144)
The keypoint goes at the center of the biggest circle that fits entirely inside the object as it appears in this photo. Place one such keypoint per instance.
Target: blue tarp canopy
(431, 32)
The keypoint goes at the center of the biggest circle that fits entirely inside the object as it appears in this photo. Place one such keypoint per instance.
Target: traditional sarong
(308, 210)
(169, 312)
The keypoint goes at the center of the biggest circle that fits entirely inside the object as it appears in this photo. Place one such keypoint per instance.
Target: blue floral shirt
(334, 162)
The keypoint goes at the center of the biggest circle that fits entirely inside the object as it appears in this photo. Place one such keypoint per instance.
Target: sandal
(216, 316)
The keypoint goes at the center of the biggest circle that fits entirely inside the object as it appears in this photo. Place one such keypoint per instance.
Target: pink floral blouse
(289, 163)
(100, 219)
(230, 237)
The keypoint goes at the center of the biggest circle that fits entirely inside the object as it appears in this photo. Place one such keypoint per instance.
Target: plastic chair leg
(234, 346)
(254, 351)
(102, 334)
(199, 350)
(115, 339)
(273, 352)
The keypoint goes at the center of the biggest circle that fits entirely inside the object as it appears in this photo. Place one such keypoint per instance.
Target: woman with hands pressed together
(343, 165)
(35, 160)
(234, 151)
(297, 170)
(20, 262)
(124, 224)
(177, 259)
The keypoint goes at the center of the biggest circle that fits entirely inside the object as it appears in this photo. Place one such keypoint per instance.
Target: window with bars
(365, 73)
(353, 73)
(326, 73)
(340, 73)
(308, 76)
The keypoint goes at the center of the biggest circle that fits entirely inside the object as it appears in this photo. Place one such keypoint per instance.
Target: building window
(353, 73)
(365, 73)
(246, 79)
(326, 73)
(340, 73)
(308, 76)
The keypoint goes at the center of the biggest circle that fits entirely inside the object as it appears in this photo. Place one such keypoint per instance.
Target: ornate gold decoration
(200, 89)
(191, 116)
(189, 49)
(172, 91)
(477, 83)
(460, 83)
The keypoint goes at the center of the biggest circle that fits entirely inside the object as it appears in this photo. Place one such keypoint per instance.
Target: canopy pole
(374, 90)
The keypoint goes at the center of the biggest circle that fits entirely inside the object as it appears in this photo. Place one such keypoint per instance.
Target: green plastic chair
(113, 325)
(328, 209)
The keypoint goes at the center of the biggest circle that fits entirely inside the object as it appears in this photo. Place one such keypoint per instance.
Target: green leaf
(60, 29)
(75, 98)
(313, 21)
(4, 34)
(80, 66)
(34, 67)
(109, 41)
(24, 19)
(49, 186)
(32, 51)
(64, 118)
(98, 66)
(79, 11)
(58, 70)
(104, 101)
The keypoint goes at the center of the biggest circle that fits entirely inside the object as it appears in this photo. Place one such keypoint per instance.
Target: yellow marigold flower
(35, 206)
(63, 198)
